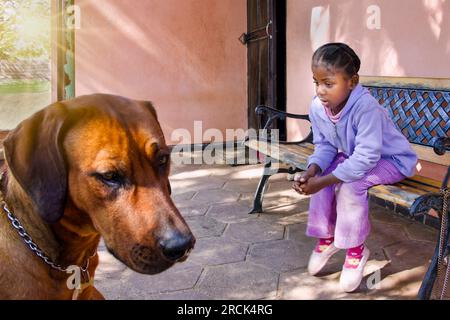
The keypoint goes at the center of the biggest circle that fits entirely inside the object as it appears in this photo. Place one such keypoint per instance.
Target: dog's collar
(79, 286)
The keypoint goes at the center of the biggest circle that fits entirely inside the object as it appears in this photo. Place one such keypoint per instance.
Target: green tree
(7, 23)
(25, 29)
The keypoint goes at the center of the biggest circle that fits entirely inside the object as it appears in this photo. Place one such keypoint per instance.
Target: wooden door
(266, 43)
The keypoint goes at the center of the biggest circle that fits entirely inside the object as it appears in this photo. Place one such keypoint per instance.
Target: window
(36, 57)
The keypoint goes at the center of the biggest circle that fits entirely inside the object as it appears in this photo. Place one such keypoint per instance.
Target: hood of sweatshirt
(356, 93)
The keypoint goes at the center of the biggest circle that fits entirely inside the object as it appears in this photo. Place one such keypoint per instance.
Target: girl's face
(333, 87)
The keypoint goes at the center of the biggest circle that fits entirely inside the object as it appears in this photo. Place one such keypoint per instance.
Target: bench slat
(397, 193)
(295, 155)
(423, 183)
(427, 154)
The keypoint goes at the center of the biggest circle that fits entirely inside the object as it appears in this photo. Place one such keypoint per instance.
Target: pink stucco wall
(184, 55)
(413, 41)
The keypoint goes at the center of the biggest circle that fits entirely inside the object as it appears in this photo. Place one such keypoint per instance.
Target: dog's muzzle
(175, 245)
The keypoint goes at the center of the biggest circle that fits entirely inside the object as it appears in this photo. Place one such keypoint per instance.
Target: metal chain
(446, 195)
(33, 246)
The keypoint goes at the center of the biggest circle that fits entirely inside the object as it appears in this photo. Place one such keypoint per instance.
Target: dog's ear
(33, 152)
(150, 107)
(169, 187)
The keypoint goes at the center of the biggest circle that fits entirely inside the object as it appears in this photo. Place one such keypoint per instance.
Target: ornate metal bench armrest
(424, 203)
(274, 114)
(433, 200)
(271, 112)
(441, 145)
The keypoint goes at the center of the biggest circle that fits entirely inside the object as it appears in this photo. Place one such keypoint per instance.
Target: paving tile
(229, 172)
(280, 256)
(251, 172)
(299, 285)
(113, 288)
(109, 267)
(247, 196)
(409, 254)
(285, 195)
(203, 227)
(286, 213)
(255, 231)
(280, 185)
(215, 251)
(192, 208)
(216, 196)
(199, 172)
(383, 234)
(179, 277)
(285, 202)
(241, 186)
(254, 172)
(231, 212)
(381, 214)
(418, 231)
(400, 285)
(101, 245)
(297, 232)
(241, 280)
(182, 168)
(196, 184)
(409, 262)
(183, 196)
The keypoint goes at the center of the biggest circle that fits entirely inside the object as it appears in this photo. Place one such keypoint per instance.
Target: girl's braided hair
(338, 56)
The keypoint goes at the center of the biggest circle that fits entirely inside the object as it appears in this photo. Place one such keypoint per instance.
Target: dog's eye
(111, 179)
(163, 160)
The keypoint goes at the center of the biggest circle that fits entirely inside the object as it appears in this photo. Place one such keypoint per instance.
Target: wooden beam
(403, 82)
(427, 154)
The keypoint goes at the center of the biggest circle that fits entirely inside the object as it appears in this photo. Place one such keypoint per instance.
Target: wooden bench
(420, 112)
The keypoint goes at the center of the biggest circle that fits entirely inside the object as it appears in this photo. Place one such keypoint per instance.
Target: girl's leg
(352, 206)
(322, 207)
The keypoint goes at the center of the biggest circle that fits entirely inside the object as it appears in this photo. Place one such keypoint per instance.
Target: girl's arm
(324, 151)
(368, 145)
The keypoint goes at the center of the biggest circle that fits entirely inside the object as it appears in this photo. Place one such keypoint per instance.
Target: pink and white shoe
(353, 271)
(320, 256)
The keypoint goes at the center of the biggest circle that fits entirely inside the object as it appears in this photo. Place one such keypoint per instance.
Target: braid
(338, 56)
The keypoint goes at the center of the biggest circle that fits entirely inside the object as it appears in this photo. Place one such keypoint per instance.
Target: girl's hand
(311, 186)
(315, 184)
(303, 177)
(312, 171)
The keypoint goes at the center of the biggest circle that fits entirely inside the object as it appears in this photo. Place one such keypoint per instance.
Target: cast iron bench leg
(267, 173)
(428, 280)
(430, 276)
(257, 201)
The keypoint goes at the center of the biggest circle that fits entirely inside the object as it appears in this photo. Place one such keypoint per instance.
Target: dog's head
(105, 158)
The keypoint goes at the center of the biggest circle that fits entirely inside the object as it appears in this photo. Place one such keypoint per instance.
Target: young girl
(357, 146)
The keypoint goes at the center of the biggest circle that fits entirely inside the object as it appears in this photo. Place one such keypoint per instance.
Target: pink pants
(342, 210)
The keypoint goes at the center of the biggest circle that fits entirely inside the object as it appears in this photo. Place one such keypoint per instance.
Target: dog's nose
(176, 245)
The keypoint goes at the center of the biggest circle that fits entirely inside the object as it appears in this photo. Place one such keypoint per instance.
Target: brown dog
(95, 166)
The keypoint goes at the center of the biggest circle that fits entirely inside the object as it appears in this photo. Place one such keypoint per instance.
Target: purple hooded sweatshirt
(364, 132)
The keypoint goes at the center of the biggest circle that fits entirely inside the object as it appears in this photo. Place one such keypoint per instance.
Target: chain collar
(29, 241)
